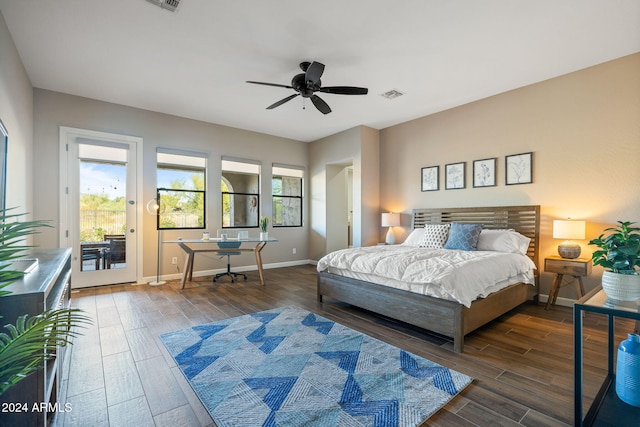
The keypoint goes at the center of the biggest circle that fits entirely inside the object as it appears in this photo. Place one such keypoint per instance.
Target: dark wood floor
(119, 374)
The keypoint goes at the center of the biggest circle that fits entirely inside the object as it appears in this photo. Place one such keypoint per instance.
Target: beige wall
(16, 112)
(358, 147)
(370, 185)
(53, 109)
(583, 129)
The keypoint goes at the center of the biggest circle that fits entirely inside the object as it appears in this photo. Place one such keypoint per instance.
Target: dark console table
(33, 401)
(607, 409)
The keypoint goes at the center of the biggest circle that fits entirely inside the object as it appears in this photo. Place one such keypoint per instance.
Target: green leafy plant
(620, 250)
(28, 344)
(264, 223)
(32, 341)
(12, 235)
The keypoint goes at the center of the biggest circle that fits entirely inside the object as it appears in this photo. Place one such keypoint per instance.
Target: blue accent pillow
(463, 237)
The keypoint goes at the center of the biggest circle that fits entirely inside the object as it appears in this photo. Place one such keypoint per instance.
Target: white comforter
(462, 276)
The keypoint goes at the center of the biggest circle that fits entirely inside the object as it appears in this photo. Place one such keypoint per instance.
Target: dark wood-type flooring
(119, 373)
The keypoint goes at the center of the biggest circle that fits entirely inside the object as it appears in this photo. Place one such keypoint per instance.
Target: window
(181, 189)
(240, 188)
(286, 194)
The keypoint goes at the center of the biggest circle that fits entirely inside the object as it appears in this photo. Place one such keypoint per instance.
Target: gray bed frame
(448, 318)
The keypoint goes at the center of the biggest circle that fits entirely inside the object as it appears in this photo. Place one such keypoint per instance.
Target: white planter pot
(264, 235)
(623, 287)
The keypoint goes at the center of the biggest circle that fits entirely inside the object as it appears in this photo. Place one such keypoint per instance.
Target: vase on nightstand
(628, 370)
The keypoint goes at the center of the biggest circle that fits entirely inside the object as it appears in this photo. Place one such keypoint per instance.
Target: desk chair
(230, 245)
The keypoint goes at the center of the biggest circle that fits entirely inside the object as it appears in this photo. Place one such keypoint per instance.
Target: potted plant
(619, 254)
(25, 346)
(264, 223)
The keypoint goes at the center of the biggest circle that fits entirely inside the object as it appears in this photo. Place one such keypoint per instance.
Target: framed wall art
(484, 172)
(454, 176)
(430, 178)
(519, 169)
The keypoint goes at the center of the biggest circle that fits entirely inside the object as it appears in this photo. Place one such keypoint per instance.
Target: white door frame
(67, 134)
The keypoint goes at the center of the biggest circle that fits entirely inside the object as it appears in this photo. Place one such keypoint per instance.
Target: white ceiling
(194, 63)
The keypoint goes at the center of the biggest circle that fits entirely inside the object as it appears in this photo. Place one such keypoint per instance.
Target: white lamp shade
(568, 229)
(390, 219)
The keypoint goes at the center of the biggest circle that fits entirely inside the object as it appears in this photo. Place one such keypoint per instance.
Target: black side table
(607, 409)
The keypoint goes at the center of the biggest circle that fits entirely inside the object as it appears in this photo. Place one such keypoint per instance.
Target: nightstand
(577, 268)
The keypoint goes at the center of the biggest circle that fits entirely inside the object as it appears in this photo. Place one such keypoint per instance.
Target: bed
(443, 316)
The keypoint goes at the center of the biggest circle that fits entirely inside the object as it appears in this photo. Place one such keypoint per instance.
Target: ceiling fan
(308, 82)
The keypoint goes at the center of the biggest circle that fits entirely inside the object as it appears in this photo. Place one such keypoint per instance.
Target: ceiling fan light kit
(308, 82)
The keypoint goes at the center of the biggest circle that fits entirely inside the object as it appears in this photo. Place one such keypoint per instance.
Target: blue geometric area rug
(290, 367)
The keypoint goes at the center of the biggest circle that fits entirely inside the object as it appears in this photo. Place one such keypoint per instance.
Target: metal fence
(180, 219)
(103, 222)
(94, 224)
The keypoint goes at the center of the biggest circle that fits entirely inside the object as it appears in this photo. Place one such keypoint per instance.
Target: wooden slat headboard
(524, 219)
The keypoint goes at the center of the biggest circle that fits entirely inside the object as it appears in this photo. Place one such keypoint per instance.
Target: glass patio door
(102, 211)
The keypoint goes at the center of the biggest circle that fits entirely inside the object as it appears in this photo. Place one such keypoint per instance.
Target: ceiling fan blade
(314, 72)
(282, 101)
(344, 90)
(270, 84)
(320, 104)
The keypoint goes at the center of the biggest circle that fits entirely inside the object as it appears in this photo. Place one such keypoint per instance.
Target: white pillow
(414, 238)
(503, 241)
(435, 236)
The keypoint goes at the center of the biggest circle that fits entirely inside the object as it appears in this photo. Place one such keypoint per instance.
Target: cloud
(103, 179)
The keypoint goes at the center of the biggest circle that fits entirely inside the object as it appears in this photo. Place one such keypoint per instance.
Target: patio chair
(116, 253)
(91, 254)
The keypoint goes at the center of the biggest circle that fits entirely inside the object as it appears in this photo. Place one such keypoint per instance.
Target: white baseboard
(564, 302)
(239, 269)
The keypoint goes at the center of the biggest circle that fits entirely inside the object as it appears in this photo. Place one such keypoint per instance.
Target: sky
(110, 179)
(102, 179)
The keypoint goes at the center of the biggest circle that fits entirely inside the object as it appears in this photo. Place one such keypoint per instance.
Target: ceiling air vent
(170, 5)
(392, 94)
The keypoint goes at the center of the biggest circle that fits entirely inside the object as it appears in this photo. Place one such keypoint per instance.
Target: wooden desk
(192, 247)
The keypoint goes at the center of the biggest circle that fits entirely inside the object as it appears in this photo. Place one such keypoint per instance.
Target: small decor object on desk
(619, 254)
(264, 223)
(628, 370)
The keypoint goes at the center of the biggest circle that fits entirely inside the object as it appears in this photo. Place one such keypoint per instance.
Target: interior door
(102, 211)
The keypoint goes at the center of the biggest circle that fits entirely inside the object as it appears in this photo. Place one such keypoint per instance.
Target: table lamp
(568, 230)
(390, 220)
